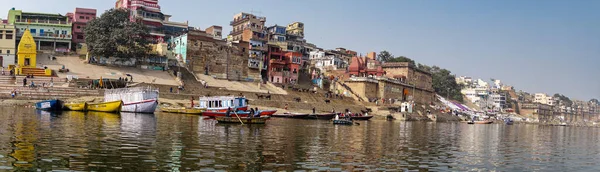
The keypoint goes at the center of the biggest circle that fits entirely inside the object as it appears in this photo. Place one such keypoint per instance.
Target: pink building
(80, 18)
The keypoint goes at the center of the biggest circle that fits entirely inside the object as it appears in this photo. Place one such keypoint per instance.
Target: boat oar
(238, 117)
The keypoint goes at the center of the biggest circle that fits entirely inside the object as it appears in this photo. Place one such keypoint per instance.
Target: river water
(31, 140)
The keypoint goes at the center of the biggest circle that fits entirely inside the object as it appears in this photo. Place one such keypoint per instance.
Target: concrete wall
(365, 90)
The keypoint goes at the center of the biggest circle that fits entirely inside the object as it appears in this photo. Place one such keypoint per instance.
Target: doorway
(27, 62)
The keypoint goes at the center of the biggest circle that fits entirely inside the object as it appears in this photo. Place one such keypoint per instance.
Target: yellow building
(7, 44)
(27, 51)
(27, 57)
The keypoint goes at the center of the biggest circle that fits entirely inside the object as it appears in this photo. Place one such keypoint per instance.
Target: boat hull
(361, 117)
(49, 105)
(114, 106)
(327, 116)
(194, 111)
(75, 106)
(245, 120)
(146, 106)
(223, 114)
(291, 115)
(267, 112)
(342, 122)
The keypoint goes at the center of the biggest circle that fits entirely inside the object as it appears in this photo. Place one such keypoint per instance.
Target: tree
(384, 56)
(595, 101)
(402, 59)
(444, 83)
(113, 35)
(563, 99)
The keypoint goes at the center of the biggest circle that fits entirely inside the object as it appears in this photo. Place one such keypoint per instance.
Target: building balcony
(48, 36)
(38, 21)
(280, 73)
(145, 4)
(278, 62)
(259, 48)
(236, 22)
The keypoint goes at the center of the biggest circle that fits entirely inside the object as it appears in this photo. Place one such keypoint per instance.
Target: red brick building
(284, 66)
(365, 66)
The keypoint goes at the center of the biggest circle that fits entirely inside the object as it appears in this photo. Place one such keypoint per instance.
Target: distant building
(544, 99)
(325, 61)
(250, 28)
(215, 31)
(365, 67)
(7, 44)
(149, 12)
(410, 74)
(50, 31)
(205, 55)
(284, 67)
(80, 18)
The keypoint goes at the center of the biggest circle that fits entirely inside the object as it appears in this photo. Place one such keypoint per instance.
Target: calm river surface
(30, 140)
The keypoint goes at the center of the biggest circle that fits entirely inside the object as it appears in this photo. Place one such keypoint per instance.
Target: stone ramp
(240, 85)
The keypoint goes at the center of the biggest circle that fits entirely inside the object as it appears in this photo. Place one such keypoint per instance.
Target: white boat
(222, 103)
(136, 100)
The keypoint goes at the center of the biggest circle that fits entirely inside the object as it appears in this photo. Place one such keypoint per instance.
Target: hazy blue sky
(535, 45)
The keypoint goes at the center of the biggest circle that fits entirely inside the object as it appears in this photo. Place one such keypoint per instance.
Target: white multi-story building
(498, 101)
(545, 99)
(464, 80)
(324, 61)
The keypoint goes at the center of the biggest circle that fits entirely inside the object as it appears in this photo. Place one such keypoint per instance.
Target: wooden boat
(223, 114)
(75, 106)
(222, 103)
(508, 121)
(291, 115)
(480, 122)
(182, 110)
(245, 120)
(361, 117)
(325, 116)
(342, 122)
(114, 106)
(49, 105)
(267, 112)
(136, 99)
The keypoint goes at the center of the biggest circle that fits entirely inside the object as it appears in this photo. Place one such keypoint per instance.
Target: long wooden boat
(361, 117)
(49, 105)
(75, 106)
(342, 122)
(196, 111)
(291, 115)
(324, 116)
(245, 120)
(480, 122)
(223, 114)
(114, 106)
(136, 99)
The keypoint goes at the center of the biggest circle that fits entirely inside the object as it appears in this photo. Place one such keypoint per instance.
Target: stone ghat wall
(221, 60)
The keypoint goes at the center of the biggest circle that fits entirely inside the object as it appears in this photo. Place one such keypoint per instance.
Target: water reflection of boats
(342, 122)
(480, 122)
(361, 117)
(324, 116)
(183, 110)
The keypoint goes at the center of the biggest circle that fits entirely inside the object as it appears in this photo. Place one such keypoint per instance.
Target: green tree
(113, 35)
(595, 101)
(563, 99)
(402, 59)
(384, 56)
(444, 83)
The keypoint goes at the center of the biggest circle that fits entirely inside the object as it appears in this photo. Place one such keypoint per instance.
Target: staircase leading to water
(46, 93)
(6, 80)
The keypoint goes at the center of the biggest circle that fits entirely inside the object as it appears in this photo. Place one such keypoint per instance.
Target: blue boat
(508, 121)
(49, 105)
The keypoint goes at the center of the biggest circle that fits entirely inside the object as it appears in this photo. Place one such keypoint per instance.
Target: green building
(50, 31)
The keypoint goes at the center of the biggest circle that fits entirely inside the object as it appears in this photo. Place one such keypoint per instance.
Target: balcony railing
(259, 38)
(42, 21)
(277, 61)
(49, 36)
(259, 48)
(238, 21)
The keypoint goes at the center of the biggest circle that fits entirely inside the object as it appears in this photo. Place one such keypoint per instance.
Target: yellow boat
(183, 110)
(75, 106)
(114, 106)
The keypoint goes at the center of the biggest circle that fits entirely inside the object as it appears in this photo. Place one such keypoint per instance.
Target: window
(78, 27)
(87, 17)
(80, 17)
(79, 36)
(7, 51)
(0, 51)
(41, 31)
(9, 36)
(32, 30)
(64, 32)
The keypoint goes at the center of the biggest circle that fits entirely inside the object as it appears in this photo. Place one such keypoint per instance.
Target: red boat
(267, 112)
(361, 117)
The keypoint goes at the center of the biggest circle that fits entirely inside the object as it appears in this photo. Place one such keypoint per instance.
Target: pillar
(69, 48)
(54, 45)
(39, 45)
